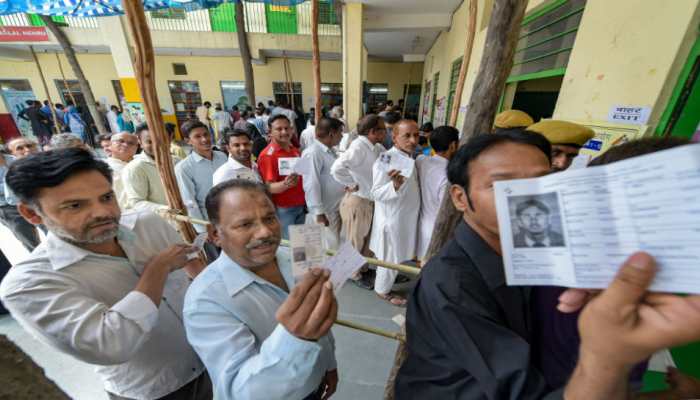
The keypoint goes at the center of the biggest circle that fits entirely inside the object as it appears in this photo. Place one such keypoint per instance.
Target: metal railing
(193, 21)
(19, 19)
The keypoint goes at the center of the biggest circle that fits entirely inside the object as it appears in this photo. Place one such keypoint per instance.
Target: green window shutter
(454, 77)
(223, 18)
(326, 13)
(281, 18)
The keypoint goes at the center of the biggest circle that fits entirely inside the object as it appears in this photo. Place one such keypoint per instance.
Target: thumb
(631, 282)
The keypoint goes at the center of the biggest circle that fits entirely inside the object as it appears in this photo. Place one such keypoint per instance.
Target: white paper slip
(285, 165)
(306, 247)
(661, 361)
(343, 264)
(198, 242)
(404, 164)
(303, 166)
(576, 228)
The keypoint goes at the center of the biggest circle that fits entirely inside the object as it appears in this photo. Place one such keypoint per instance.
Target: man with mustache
(259, 335)
(239, 164)
(105, 288)
(535, 226)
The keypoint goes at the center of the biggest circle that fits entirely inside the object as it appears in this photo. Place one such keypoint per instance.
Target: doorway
(234, 94)
(186, 98)
(15, 93)
(681, 117)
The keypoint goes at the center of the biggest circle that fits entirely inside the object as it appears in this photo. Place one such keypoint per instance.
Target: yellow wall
(627, 52)
(208, 71)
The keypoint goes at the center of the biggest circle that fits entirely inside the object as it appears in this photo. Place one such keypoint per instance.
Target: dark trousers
(198, 389)
(23, 230)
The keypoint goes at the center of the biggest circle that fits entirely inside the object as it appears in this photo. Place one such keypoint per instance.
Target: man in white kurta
(123, 148)
(432, 174)
(323, 194)
(397, 204)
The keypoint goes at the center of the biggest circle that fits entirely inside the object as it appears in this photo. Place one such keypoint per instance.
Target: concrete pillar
(354, 61)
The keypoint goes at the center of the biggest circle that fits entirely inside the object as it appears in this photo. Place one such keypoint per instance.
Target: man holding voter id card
(260, 335)
(471, 333)
(274, 165)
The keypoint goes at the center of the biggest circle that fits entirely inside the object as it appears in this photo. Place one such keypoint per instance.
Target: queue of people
(121, 290)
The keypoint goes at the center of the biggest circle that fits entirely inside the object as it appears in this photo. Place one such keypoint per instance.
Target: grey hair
(65, 141)
(336, 112)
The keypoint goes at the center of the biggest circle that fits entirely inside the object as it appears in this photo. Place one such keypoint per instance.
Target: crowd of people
(113, 284)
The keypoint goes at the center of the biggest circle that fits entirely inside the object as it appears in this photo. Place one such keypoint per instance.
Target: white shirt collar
(236, 165)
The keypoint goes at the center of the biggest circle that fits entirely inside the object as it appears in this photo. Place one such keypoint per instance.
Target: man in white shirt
(122, 150)
(308, 135)
(397, 204)
(202, 113)
(239, 164)
(353, 169)
(221, 120)
(105, 288)
(432, 174)
(323, 193)
(112, 115)
(141, 180)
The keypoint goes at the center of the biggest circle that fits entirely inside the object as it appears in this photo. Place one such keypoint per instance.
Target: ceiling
(397, 27)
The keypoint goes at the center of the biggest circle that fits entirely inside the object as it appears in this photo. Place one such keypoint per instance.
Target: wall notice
(629, 114)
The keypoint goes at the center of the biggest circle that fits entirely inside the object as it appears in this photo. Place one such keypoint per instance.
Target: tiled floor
(364, 360)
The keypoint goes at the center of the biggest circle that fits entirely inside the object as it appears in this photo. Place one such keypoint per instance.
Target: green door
(681, 117)
(223, 18)
(281, 18)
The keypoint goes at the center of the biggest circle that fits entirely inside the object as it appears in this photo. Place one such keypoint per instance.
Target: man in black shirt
(469, 335)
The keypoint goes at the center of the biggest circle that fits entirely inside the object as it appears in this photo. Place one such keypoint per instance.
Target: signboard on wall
(23, 34)
(608, 135)
(16, 101)
(440, 111)
(635, 115)
(426, 102)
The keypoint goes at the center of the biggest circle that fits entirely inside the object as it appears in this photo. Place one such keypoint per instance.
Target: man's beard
(85, 238)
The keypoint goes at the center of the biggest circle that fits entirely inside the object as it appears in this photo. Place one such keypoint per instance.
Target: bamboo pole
(413, 271)
(471, 32)
(364, 328)
(496, 63)
(245, 52)
(144, 67)
(56, 127)
(316, 59)
(65, 82)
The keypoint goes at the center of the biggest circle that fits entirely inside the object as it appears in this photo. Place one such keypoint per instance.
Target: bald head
(406, 136)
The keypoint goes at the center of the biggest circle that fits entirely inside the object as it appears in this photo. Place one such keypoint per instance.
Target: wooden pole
(245, 52)
(144, 67)
(316, 59)
(79, 75)
(496, 63)
(65, 82)
(56, 127)
(471, 32)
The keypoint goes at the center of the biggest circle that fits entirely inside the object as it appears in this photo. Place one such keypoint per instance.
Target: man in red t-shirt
(287, 191)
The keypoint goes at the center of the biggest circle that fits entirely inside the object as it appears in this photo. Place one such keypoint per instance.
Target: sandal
(393, 299)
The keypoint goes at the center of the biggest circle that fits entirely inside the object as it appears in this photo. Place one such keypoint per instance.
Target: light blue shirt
(195, 179)
(230, 321)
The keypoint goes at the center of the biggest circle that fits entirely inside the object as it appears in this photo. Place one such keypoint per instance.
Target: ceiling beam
(406, 22)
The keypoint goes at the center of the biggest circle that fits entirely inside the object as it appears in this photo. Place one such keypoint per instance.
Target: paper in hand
(403, 164)
(285, 165)
(306, 247)
(576, 228)
(303, 166)
(198, 242)
(343, 264)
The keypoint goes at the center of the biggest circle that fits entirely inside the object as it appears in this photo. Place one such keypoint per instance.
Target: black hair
(427, 127)
(140, 128)
(327, 125)
(191, 125)
(367, 123)
(458, 167)
(531, 203)
(638, 147)
(207, 104)
(27, 176)
(442, 137)
(213, 199)
(275, 118)
(229, 133)
(392, 117)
